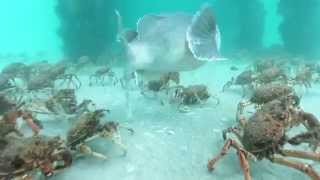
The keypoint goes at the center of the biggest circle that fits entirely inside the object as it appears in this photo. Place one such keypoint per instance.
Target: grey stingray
(171, 42)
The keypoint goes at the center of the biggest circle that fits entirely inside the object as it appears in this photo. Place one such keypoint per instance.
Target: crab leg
(305, 168)
(307, 137)
(239, 115)
(130, 130)
(244, 164)
(302, 154)
(223, 152)
(28, 118)
(102, 80)
(217, 100)
(243, 104)
(117, 140)
(244, 90)
(198, 98)
(228, 85)
(92, 138)
(84, 149)
(90, 80)
(242, 154)
(311, 121)
(78, 80)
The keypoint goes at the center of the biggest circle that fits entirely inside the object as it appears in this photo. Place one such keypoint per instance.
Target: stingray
(171, 42)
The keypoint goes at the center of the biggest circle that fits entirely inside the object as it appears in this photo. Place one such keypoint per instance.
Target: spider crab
(99, 76)
(304, 76)
(163, 83)
(88, 127)
(46, 79)
(6, 82)
(272, 74)
(266, 93)
(263, 136)
(63, 102)
(11, 112)
(244, 79)
(190, 95)
(22, 158)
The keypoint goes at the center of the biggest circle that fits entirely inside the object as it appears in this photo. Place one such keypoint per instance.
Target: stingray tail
(119, 25)
(124, 36)
(203, 35)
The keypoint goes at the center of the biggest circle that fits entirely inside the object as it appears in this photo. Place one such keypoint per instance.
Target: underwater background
(35, 24)
(166, 144)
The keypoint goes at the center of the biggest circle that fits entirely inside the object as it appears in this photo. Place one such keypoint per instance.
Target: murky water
(167, 143)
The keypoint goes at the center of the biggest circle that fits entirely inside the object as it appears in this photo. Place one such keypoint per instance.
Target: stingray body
(171, 42)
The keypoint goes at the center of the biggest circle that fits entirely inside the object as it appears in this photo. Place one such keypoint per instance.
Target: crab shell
(245, 77)
(155, 85)
(65, 98)
(15, 69)
(263, 136)
(189, 94)
(266, 93)
(39, 82)
(6, 128)
(57, 71)
(102, 71)
(174, 76)
(268, 75)
(22, 155)
(265, 64)
(86, 127)
(5, 82)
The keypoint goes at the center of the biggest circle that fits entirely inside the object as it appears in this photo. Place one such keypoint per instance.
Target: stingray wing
(203, 35)
(163, 26)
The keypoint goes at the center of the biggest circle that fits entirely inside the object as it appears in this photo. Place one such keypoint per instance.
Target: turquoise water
(168, 143)
(29, 28)
(34, 25)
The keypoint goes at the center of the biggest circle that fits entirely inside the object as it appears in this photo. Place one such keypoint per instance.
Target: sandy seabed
(168, 145)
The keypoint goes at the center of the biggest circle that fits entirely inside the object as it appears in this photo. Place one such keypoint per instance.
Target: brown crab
(40, 67)
(261, 65)
(22, 157)
(47, 79)
(10, 112)
(304, 76)
(6, 82)
(64, 100)
(82, 62)
(266, 93)
(193, 94)
(100, 75)
(59, 72)
(16, 70)
(88, 127)
(312, 135)
(244, 79)
(162, 83)
(272, 74)
(263, 136)
(190, 95)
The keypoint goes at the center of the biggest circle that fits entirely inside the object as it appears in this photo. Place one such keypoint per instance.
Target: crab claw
(29, 119)
(46, 168)
(63, 159)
